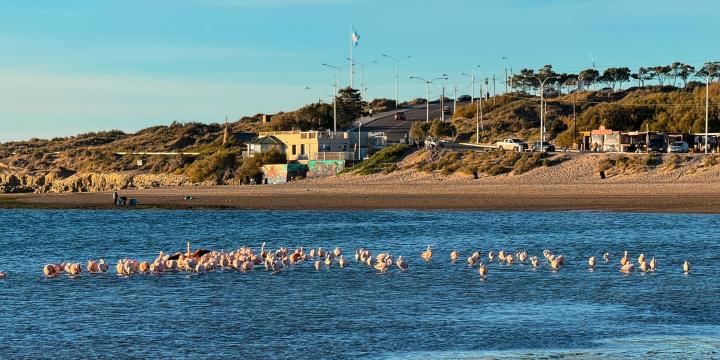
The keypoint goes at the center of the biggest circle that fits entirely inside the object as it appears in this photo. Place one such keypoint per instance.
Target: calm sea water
(436, 310)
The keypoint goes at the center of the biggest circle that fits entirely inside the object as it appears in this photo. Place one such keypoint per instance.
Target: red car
(400, 116)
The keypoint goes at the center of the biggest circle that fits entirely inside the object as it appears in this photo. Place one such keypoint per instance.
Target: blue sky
(74, 66)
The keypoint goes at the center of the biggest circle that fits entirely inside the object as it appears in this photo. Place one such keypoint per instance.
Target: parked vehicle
(679, 147)
(511, 145)
(543, 146)
(400, 116)
(658, 143)
(464, 98)
(446, 110)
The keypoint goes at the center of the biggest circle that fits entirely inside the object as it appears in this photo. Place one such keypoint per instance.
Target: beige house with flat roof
(321, 145)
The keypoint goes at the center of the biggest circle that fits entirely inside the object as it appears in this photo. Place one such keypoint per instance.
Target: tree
(622, 75)
(710, 69)
(273, 156)
(589, 76)
(314, 116)
(349, 107)
(662, 73)
(685, 72)
(418, 131)
(642, 76)
(612, 76)
(440, 129)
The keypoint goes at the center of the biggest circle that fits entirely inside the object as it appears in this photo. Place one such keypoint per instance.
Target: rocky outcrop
(59, 182)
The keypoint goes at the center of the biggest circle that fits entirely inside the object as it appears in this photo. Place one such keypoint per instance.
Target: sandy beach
(571, 185)
(695, 198)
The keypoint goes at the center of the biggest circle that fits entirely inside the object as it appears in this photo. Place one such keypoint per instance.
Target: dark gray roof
(266, 140)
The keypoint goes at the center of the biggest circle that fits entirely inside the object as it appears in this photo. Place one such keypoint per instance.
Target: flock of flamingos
(245, 259)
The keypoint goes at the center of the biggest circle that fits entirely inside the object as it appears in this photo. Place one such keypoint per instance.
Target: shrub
(211, 167)
(274, 156)
(378, 161)
(250, 168)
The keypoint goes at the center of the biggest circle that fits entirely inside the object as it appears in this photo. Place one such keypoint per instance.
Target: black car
(543, 146)
(400, 116)
(463, 98)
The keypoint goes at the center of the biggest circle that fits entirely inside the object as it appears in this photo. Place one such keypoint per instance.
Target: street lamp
(334, 95)
(542, 106)
(314, 92)
(362, 74)
(478, 107)
(397, 77)
(427, 93)
(507, 62)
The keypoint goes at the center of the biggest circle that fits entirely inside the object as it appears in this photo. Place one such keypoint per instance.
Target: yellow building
(321, 145)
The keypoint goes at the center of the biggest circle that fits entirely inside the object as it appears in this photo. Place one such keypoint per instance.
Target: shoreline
(640, 197)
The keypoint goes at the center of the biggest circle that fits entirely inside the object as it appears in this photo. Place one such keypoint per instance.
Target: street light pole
(359, 140)
(397, 78)
(427, 93)
(707, 108)
(542, 107)
(335, 92)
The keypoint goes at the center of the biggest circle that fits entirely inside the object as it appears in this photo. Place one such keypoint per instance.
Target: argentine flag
(355, 37)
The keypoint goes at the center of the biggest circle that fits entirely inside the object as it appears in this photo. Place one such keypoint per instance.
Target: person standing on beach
(115, 198)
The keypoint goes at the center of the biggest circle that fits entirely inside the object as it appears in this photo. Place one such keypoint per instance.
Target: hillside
(79, 163)
(661, 108)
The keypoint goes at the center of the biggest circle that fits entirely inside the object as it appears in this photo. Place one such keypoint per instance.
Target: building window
(302, 149)
(294, 151)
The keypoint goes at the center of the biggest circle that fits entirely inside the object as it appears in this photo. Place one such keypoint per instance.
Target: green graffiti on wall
(323, 168)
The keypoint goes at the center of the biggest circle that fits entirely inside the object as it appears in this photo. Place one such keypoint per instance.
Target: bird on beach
(427, 254)
(686, 267)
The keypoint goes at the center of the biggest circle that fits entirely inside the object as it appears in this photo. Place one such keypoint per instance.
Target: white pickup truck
(512, 145)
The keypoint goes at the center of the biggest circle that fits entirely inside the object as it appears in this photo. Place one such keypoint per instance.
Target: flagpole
(352, 65)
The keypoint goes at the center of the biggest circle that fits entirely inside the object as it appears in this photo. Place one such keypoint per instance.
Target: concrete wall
(275, 174)
(324, 168)
(281, 173)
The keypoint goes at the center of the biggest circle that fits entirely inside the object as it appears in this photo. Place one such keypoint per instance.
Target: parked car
(658, 143)
(464, 98)
(543, 146)
(679, 147)
(512, 145)
(446, 110)
(400, 116)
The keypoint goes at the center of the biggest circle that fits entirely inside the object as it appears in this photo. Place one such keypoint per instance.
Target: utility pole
(477, 119)
(442, 105)
(359, 140)
(455, 100)
(707, 108)
(427, 93)
(482, 127)
(543, 107)
(494, 95)
(334, 107)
